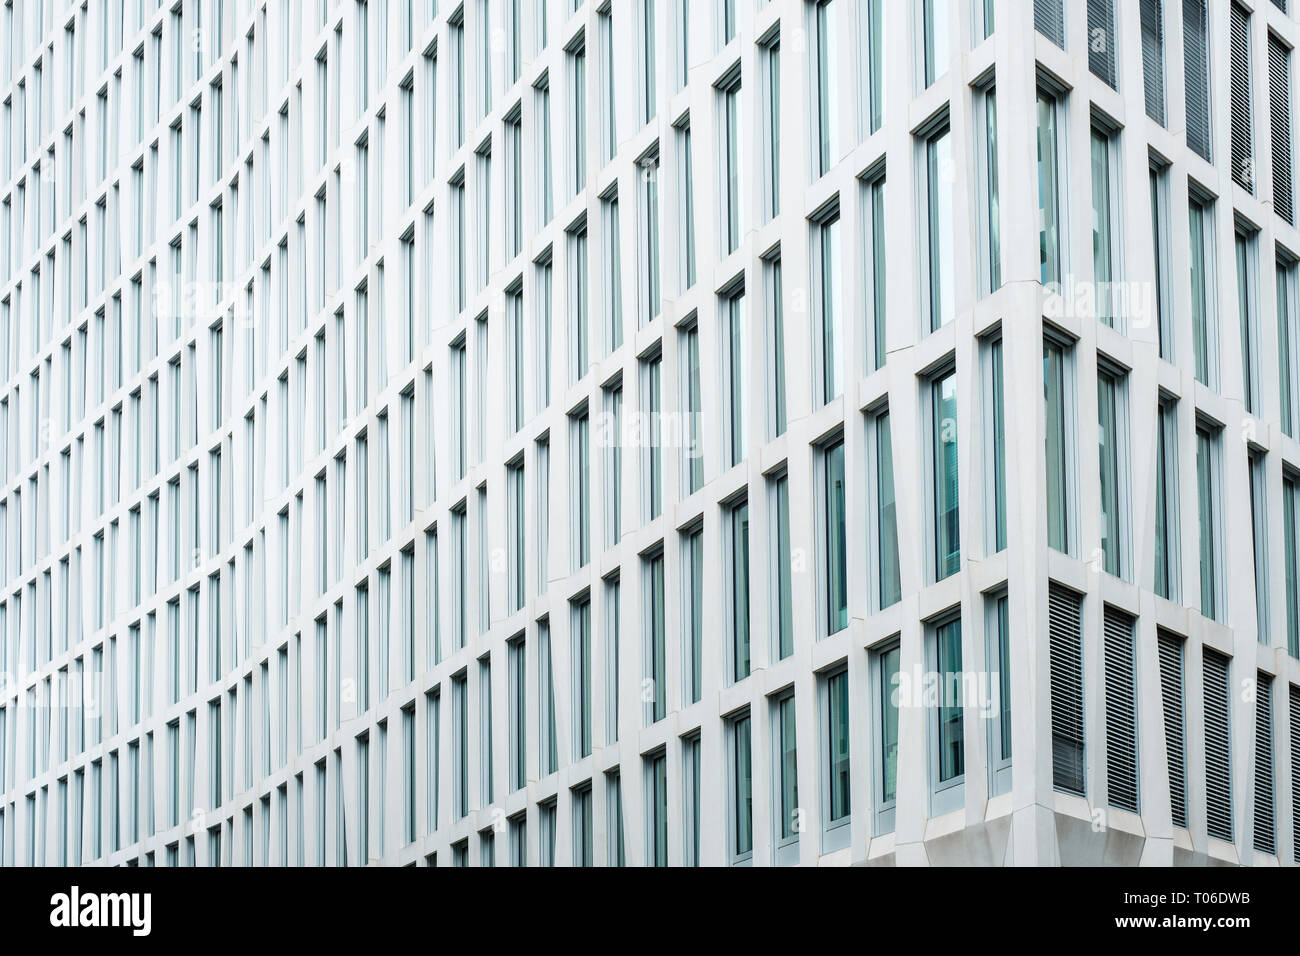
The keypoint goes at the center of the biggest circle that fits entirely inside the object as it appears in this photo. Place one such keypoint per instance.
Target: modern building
(571, 432)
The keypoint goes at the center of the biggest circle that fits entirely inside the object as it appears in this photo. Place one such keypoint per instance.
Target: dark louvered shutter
(1121, 712)
(1265, 834)
(1243, 156)
(1279, 99)
(1218, 770)
(1101, 40)
(1280, 4)
(1153, 58)
(1171, 692)
(1196, 70)
(1066, 653)
(1049, 20)
(1294, 694)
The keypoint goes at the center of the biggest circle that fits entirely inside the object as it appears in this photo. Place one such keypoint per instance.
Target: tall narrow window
(742, 789)
(1105, 248)
(1290, 529)
(835, 709)
(649, 238)
(1207, 484)
(934, 40)
(657, 814)
(939, 228)
(826, 278)
(580, 649)
(1288, 338)
(655, 651)
(1168, 565)
(998, 649)
(783, 599)
(735, 368)
(1112, 455)
(1049, 189)
(1160, 233)
(875, 46)
(836, 558)
(885, 666)
(693, 599)
(1201, 250)
(738, 567)
(1246, 314)
(949, 760)
(691, 396)
(1259, 526)
(943, 454)
(874, 246)
(996, 444)
(888, 574)
(732, 188)
(826, 84)
(549, 747)
(517, 716)
(686, 211)
(580, 472)
(990, 212)
(770, 65)
(1056, 388)
(787, 770)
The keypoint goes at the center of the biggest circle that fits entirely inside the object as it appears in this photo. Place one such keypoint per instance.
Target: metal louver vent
(1196, 70)
(1101, 40)
(1121, 712)
(1294, 693)
(1153, 58)
(1243, 155)
(1279, 98)
(1066, 653)
(1218, 770)
(1170, 650)
(1049, 20)
(1265, 833)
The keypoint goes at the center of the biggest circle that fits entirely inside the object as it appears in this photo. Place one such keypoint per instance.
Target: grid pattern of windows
(703, 430)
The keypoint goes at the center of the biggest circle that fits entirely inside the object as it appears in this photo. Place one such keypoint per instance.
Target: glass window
(837, 747)
(1168, 576)
(694, 600)
(1049, 188)
(934, 27)
(742, 794)
(950, 752)
(787, 770)
(1112, 455)
(1055, 368)
(1104, 258)
(1207, 441)
(888, 584)
(939, 177)
(1201, 229)
(735, 361)
(827, 277)
(739, 560)
(836, 560)
(943, 450)
(826, 84)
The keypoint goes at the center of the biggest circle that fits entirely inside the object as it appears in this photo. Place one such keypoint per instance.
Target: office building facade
(638, 432)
